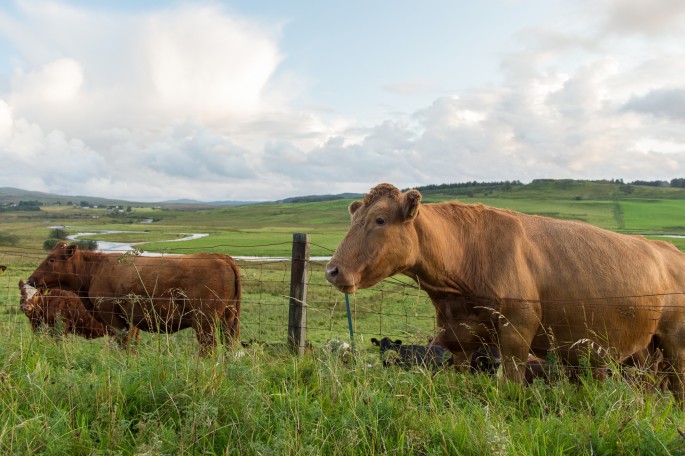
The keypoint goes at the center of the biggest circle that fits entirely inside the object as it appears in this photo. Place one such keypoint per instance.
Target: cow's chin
(350, 282)
(359, 285)
(347, 289)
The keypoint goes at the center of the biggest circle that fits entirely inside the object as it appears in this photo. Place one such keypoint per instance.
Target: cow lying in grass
(59, 309)
(530, 284)
(426, 356)
(487, 359)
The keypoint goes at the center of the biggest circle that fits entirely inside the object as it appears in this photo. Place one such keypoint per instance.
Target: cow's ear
(354, 206)
(411, 201)
(21, 283)
(398, 342)
(69, 250)
(375, 341)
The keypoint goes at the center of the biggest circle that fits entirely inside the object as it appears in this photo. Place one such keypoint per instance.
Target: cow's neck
(88, 261)
(446, 266)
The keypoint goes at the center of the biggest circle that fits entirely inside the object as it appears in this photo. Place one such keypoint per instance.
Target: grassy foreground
(76, 397)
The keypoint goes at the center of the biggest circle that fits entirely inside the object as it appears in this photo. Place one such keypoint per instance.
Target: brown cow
(527, 283)
(156, 294)
(57, 305)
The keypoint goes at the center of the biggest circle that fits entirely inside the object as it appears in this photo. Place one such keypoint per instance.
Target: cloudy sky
(245, 100)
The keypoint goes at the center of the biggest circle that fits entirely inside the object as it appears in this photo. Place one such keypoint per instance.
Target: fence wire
(396, 307)
(390, 309)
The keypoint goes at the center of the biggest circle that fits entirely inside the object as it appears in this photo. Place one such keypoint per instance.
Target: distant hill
(318, 198)
(14, 195)
(208, 203)
(539, 188)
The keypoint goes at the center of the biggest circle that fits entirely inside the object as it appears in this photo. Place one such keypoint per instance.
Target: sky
(253, 100)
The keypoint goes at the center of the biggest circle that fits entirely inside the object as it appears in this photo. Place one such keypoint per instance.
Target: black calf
(428, 356)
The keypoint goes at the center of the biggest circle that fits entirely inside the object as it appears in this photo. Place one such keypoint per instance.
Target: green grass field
(72, 396)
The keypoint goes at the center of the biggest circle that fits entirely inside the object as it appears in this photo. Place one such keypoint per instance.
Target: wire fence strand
(396, 307)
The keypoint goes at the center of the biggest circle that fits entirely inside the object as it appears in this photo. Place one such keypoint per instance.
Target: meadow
(66, 395)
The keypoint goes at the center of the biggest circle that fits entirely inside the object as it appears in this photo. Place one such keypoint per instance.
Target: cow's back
(167, 293)
(198, 276)
(575, 260)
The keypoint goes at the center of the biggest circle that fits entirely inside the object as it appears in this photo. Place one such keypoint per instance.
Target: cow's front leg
(108, 312)
(462, 339)
(515, 343)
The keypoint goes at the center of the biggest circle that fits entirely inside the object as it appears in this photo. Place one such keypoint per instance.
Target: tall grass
(78, 397)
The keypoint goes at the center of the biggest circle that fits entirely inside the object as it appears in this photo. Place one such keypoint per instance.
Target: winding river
(110, 247)
(120, 247)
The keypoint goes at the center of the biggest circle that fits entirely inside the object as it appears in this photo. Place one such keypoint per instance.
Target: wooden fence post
(297, 315)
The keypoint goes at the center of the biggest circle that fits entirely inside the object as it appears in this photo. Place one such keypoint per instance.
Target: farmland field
(72, 396)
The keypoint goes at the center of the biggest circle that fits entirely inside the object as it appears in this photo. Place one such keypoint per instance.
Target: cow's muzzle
(332, 273)
(26, 307)
(338, 279)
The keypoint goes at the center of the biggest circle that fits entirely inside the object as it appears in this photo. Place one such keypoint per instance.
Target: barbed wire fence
(288, 302)
(393, 308)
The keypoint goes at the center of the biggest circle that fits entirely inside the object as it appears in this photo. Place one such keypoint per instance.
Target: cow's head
(58, 269)
(28, 293)
(386, 344)
(381, 241)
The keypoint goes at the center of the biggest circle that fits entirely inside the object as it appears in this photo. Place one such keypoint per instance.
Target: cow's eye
(380, 221)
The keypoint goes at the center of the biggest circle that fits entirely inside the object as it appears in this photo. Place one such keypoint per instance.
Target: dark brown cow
(50, 307)
(527, 283)
(156, 294)
(55, 305)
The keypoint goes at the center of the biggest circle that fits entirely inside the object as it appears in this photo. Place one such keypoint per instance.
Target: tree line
(675, 183)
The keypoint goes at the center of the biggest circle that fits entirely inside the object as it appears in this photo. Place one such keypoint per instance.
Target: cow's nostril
(332, 272)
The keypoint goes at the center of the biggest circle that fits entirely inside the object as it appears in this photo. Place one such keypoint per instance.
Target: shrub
(87, 244)
(58, 233)
(50, 243)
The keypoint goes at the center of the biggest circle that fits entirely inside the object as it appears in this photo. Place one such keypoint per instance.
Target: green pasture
(80, 398)
(660, 216)
(266, 229)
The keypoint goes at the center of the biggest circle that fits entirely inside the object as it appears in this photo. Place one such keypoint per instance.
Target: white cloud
(56, 81)
(193, 101)
(208, 63)
(44, 161)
